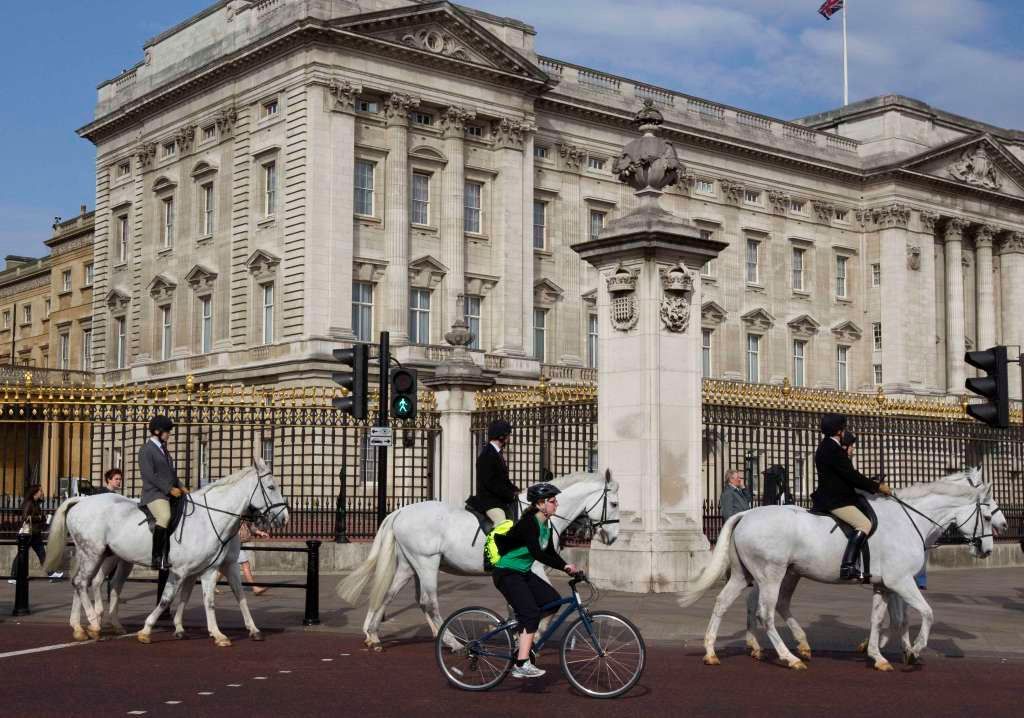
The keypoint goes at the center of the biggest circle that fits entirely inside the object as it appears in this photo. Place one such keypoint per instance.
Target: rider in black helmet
(159, 483)
(494, 491)
(528, 541)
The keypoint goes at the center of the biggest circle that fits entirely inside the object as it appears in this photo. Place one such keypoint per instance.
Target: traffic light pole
(384, 366)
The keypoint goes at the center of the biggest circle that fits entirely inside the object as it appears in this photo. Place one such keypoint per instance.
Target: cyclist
(528, 541)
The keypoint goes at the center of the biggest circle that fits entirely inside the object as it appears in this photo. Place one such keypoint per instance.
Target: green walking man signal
(403, 393)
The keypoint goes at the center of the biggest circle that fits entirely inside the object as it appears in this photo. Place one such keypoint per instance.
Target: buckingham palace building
(279, 178)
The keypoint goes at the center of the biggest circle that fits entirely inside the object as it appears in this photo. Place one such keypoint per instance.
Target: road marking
(204, 693)
(171, 703)
(55, 647)
(326, 660)
(136, 713)
(346, 654)
(284, 671)
(234, 685)
(259, 678)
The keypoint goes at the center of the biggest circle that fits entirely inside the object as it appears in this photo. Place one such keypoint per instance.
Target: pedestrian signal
(403, 393)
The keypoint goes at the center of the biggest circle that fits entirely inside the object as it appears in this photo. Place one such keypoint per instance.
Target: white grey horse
(108, 524)
(118, 571)
(775, 546)
(423, 538)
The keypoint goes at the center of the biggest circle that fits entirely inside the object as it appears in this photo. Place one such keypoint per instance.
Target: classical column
(649, 376)
(453, 187)
(955, 343)
(574, 230)
(396, 216)
(1011, 280)
(510, 250)
(921, 260)
(526, 239)
(891, 221)
(985, 301)
(331, 168)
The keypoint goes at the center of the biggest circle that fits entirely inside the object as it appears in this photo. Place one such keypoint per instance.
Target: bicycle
(602, 654)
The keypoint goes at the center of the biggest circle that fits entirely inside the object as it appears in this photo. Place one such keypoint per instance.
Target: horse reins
(589, 525)
(976, 515)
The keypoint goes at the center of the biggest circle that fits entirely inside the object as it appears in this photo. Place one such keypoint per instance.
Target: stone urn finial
(649, 163)
(459, 335)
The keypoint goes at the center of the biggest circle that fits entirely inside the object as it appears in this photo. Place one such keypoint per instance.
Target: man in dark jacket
(836, 493)
(159, 483)
(494, 491)
(734, 495)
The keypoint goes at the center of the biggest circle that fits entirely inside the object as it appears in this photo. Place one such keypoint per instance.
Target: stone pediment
(758, 319)
(441, 33)
(261, 264)
(117, 299)
(546, 292)
(426, 272)
(804, 326)
(162, 287)
(977, 161)
(712, 313)
(200, 277)
(847, 331)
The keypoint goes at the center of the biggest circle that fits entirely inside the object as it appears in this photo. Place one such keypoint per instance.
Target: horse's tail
(58, 535)
(379, 565)
(715, 569)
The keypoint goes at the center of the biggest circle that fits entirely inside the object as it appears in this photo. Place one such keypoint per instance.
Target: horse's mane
(947, 486)
(226, 481)
(564, 482)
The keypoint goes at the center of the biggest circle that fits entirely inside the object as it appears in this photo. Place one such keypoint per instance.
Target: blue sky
(778, 57)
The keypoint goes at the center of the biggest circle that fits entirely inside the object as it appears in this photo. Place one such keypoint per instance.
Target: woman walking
(32, 522)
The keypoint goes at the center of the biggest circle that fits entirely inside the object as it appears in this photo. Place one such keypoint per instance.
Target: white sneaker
(527, 670)
(11, 580)
(57, 574)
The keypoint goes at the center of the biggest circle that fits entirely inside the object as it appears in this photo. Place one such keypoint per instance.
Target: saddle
(486, 525)
(865, 553)
(177, 509)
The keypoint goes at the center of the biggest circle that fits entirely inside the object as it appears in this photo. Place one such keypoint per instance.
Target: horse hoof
(94, 633)
(118, 630)
(223, 642)
(862, 647)
(712, 661)
(81, 635)
(804, 652)
(883, 666)
(912, 659)
(256, 636)
(798, 665)
(757, 654)
(143, 637)
(378, 648)
(180, 635)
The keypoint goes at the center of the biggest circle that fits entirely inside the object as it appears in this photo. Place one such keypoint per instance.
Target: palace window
(169, 149)
(26, 314)
(752, 196)
(122, 239)
(842, 378)
(206, 216)
(876, 334)
(370, 107)
(540, 318)
(419, 316)
(267, 305)
(474, 131)
(472, 211)
(540, 152)
(90, 274)
(167, 238)
(87, 350)
(842, 215)
(64, 351)
(65, 281)
(209, 133)
(268, 109)
(124, 169)
(841, 265)
(269, 189)
(47, 308)
(877, 373)
(423, 118)
(120, 342)
(797, 206)
(705, 352)
(753, 358)
(704, 186)
(753, 249)
(876, 275)
(362, 310)
(364, 187)
(7, 319)
(540, 210)
(592, 340)
(472, 316)
(165, 331)
(798, 268)
(709, 268)
(596, 163)
(206, 324)
(799, 352)
(420, 198)
(596, 223)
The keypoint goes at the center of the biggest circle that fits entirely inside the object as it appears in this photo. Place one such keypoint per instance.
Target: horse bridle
(590, 526)
(977, 516)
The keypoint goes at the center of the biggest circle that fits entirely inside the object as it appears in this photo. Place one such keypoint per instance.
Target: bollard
(21, 576)
(312, 617)
(340, 517)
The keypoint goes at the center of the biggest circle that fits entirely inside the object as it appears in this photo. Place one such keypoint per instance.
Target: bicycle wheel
(612, 666)
(470, 653)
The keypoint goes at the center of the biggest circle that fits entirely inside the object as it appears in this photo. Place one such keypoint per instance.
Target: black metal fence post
(312, 617)
(21, 576)
(340, 516)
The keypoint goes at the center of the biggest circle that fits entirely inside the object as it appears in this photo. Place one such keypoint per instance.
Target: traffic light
(403, 393)
(357, 381)
(996, 411)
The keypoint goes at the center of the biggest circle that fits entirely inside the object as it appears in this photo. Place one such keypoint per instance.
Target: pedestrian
(246, 535)
(111, 482)
(159, 484)
(32, 522)
(495, 493)
(836, 491)
(776, 490)
(734, 496)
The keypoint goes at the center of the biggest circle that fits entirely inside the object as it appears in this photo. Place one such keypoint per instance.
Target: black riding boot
(159, 542)
(848, 571)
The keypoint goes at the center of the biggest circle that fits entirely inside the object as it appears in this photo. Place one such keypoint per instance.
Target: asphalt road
(311, 673)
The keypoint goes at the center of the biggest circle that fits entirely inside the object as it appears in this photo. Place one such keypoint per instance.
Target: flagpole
(846, 81)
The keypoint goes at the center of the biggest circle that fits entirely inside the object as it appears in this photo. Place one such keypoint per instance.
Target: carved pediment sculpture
(779, 201)
(975, 168)
(624, 310)
(436, 41)
(824, 211)
(572, 156)
(913, 257)
(677, 286)
(343, 95)
(226, 120)
(146, 153)
(733, 191)
(185, 137)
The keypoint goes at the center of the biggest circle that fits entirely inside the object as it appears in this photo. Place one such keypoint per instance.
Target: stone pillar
(575, 229)
(986, 300)
(649, 378)
(1011, 276)
(510, 251)
(891, 222)
(453, 187)
(455, 383)
(955, 343)
(526, 288)
(396, 217)
(921, 261)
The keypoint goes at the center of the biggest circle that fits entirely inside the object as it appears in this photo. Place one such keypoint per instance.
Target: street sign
(381, 431)
(381, 441)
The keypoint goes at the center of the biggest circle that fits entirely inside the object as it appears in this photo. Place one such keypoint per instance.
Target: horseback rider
(159, 483)
(495, 493)
(836, 492)
(528, 541)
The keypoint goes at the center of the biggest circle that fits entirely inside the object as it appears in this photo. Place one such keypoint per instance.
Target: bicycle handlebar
(578, 578)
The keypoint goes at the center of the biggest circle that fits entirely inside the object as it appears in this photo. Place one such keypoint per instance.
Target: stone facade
(46, 306)
(276, 178)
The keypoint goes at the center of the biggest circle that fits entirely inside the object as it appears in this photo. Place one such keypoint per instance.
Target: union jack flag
(830, 8)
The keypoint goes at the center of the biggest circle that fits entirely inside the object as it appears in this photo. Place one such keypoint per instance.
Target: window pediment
(261, 264)
(803, 326)
(712, 313)
(546, 292)
(200, 277)
(162, 287)
(203, 168)
(759, 319)
(480, 284)
(426, 272)
(368, 270)
(118, 299)
(847, 331)
(428, 154)
(590, 298)
(164, 184)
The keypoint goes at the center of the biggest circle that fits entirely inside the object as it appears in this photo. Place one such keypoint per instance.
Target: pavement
(973, 665)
